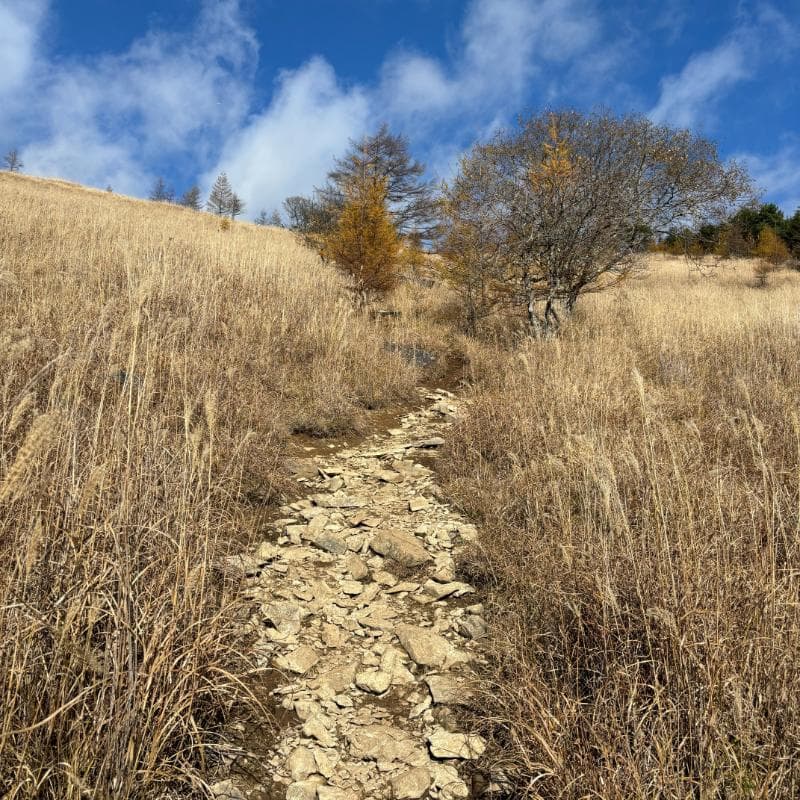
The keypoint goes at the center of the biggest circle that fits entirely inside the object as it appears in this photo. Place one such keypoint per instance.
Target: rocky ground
(373, 636)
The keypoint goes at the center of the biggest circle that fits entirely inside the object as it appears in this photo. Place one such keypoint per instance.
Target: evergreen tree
(237, 206)
(161, 192)
(364, 243)
(221, 197)
(792, 237)
(273, 220)
(191, 198)
(12, 161)
(410, 198)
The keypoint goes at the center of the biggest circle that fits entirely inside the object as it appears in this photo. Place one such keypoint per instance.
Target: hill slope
(151, 364)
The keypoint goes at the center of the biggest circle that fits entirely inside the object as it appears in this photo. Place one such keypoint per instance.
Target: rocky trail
(359, 610)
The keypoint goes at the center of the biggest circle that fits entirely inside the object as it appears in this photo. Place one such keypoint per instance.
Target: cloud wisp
(115, 119)
(690, 97)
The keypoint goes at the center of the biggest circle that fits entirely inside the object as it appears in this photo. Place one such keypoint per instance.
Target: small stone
(438, 591)
(326, 762)
(403, 547)
(267, 552)
(315, 729)
(411, 784)
(356, 567)
(433, 441)
(301, 790)
(225, 790)
(335, 793)
(389, 476)
(298, 661)
(351, 588)
(334, 484)
(306, 709)
(444, 744)
(338, 680)
(332, 635)
(382, 743)
(284, 617)
(425, 647)
(369, 593)
(454, 790)
(472, 627)
(343, 701)
(418, 504)
(330, 542)
(301, 763)
(385, 578)
(445, 689)
(403, 586)
(375, 682)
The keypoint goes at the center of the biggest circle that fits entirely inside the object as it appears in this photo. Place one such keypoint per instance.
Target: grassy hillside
(637, 481)
(151, 365)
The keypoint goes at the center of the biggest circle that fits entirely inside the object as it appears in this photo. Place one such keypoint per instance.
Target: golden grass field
(637, 480)
(152, 365)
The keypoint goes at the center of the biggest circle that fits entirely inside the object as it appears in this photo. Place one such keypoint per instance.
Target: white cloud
(503, 47)
(688, 98)
(111, 119)
(778, 173)
(20, 22)
(686, 95)
(290, 146)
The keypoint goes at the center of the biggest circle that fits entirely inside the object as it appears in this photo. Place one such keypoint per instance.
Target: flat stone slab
(400, 546)
(444, 744)
(426, 648)
(298, 661)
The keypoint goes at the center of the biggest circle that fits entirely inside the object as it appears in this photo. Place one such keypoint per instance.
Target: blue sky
(118, 93)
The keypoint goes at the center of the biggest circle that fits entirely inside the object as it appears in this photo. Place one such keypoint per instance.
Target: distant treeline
(740, 235)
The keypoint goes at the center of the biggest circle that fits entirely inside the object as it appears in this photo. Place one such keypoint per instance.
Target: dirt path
(373, 637)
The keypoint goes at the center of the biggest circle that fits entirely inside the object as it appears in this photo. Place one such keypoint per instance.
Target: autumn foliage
(364, 243)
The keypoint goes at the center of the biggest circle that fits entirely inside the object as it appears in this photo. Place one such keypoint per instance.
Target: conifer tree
(237, 206)
(364, 243)
(12, 161)
(410, 198)
(221, 197)
(161, 192)
(191, 198)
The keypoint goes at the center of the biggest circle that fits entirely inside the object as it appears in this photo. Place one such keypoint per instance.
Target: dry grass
(151, 365)
(638, 482)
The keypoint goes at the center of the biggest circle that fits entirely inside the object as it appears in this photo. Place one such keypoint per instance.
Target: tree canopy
(575, 199)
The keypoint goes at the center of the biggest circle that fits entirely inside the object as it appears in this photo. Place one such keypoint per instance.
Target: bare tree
(221, 197)
(384, 155)
(575, 198)
(311, 218)
(12, 161)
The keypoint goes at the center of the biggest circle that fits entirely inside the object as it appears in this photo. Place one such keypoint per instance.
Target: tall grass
(638, 484)
(151, 365)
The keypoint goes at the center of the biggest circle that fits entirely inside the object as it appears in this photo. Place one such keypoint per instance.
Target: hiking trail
(374, 639)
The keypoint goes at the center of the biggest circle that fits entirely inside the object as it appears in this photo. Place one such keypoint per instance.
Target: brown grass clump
(638, 483)
(150, 367)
